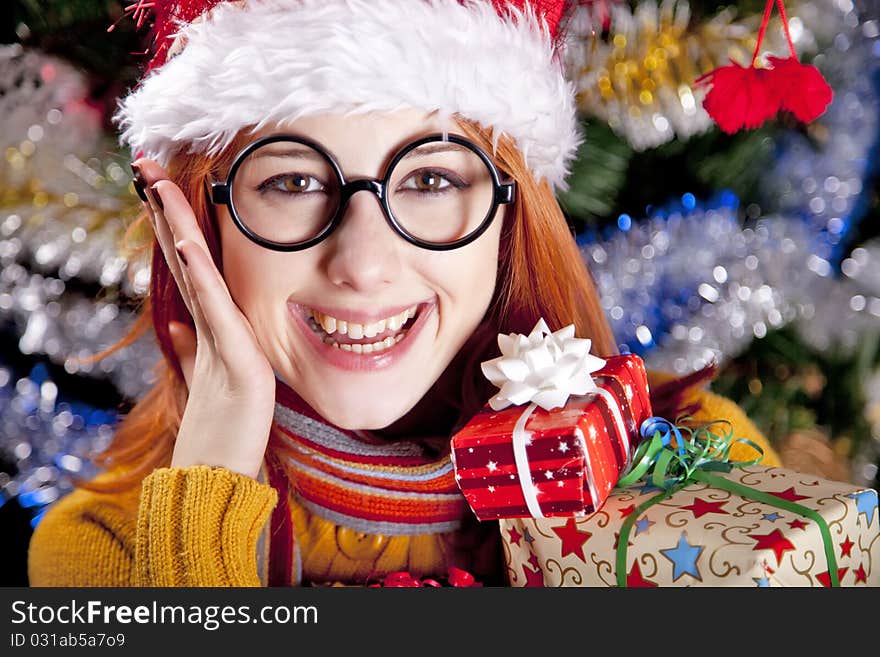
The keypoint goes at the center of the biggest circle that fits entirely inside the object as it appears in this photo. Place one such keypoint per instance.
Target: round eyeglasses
(288, 193)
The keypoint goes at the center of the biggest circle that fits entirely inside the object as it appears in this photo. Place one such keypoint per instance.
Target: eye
(291, 183)
(431, 180)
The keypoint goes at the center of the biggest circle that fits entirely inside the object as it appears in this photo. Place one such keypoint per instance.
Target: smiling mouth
(376, 340)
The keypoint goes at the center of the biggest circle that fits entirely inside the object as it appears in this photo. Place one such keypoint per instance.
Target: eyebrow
(303, 153)
(432, 148)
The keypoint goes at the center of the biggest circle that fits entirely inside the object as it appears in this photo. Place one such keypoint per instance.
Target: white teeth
(326, 326)
(371, 348)
(357, 331)
(329, 323)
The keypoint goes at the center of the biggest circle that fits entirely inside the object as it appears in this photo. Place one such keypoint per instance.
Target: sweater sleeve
(199, 526)
(195, 526)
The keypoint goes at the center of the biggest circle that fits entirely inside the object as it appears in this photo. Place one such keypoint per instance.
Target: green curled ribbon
(697, 455)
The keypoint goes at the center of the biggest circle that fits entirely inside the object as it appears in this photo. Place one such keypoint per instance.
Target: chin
(363, 412)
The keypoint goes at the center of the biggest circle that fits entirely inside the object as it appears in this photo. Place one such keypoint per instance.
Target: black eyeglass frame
(503, 192)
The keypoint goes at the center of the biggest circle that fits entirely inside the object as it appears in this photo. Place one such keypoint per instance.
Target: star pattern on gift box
(527, 537)
(514, 535)
(798, 524)
(573, 539)
(492, 466)
(762, 582)
(533, 578)
(866, 502)
(825, 578)
(643, 525)
(684, 558)
(617, 541)
(634, 578)
(701, 507)
(772, 517)
(789, 494)
(563, 446)
(534, 563)
(775, 541)
(626, 510)
(846, 547)
(860, 574)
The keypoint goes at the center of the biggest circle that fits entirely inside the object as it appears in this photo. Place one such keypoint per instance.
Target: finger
(150, 171)
(179, 213)
(184, 341)
(147, 173)
(165, 239)
(231, 329)
(173, 221)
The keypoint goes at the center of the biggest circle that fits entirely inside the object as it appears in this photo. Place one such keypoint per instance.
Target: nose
(363, 252)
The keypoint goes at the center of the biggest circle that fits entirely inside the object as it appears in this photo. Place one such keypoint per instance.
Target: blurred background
(759, 250)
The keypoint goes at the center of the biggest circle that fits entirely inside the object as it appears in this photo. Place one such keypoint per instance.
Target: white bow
(543, 368)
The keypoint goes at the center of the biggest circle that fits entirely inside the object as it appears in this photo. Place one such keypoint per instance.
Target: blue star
(762, 582)
(772, 517)
(642, 525)
(684, 558)
(866, 502)
(527, 536)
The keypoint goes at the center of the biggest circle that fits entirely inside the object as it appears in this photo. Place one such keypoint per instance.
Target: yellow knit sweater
(202, 526)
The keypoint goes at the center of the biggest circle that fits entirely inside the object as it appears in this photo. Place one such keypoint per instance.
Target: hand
(230, 383)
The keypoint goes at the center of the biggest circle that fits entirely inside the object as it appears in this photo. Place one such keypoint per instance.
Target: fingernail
(158, 197)
(140, 185)
(180, 255)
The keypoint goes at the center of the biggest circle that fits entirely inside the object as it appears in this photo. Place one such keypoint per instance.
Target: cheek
(257, 278)
(472, 276)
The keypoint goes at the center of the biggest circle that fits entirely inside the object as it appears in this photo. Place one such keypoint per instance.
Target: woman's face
(363, 274)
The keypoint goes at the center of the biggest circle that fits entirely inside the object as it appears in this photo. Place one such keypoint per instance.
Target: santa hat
(224, 66)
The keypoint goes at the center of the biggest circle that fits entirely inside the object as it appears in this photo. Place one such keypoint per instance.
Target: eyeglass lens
(288, 192)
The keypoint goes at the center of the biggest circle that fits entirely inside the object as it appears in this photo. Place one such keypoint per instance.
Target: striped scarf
(361, 481)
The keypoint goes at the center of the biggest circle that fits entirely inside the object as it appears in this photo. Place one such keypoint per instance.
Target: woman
(314, 370)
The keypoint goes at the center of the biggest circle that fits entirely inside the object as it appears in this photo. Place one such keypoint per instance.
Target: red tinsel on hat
(745, 97)
(166, 17)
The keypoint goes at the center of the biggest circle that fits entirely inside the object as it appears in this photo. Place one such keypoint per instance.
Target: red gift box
(572, 457)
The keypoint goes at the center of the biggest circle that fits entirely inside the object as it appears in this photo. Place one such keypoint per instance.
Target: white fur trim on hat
(273, 61)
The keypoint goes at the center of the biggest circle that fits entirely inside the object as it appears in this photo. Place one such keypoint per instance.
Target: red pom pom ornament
(745, 97)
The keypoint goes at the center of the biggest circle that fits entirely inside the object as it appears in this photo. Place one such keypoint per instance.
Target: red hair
(541, 273)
